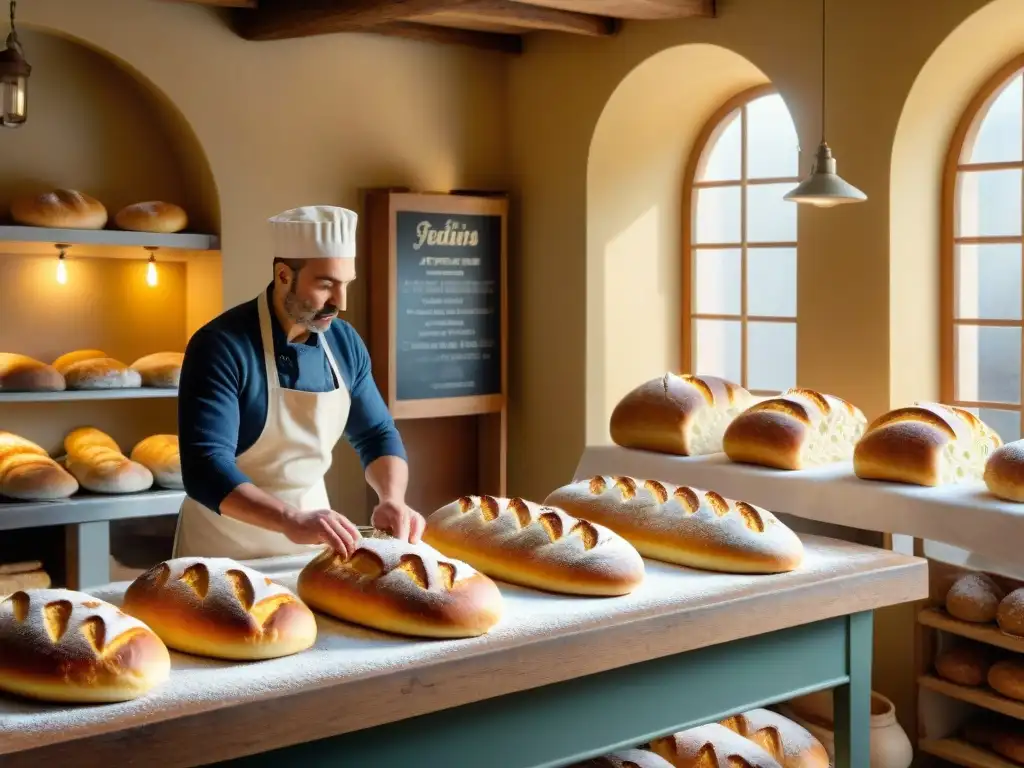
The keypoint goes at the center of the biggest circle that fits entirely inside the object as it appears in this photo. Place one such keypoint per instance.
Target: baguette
(685, 415)
(97, 463)
(683, 525)
(792, 745)
(537, 546)
(161, 369)
(712, 746)
(101, 373)
(159, 454)
(408, 589)
(626, 758)
(28, 473)
(928, 444)
(20, 373)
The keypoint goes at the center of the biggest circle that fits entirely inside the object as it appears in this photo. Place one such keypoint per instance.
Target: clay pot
(890, 747)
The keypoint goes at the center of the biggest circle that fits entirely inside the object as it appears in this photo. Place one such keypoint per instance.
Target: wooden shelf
(980, 696)
(89, 508)
(962, 753)
(985, 633)
(70, 395)
(181, 240)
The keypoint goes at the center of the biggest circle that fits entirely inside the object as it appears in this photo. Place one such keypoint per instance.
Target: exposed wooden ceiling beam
(221, 3)
(633, 9)
(487, 41)
(527, 17)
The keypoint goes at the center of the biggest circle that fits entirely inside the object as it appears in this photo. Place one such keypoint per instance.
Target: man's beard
(303, 313)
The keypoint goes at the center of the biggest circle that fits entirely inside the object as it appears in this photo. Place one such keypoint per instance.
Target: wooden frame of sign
(438, 339)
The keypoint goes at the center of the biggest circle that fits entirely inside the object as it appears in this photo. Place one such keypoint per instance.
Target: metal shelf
(70, 395)
(88, 508)
(181, 240)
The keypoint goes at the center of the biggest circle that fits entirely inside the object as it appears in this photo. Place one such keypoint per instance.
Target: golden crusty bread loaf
(159, 454)
(683, 525)
(799, 429)
(216, 607)
(66, 646)
(1007, 677)
(97, 463)
(161, 369)
(61, 208)
(65, 361)
(152, 216)
(101, 373)
(20, 373)
(536, 546)
(974, 597)
(28, 473)
(1004, 471)
(792, 745)
(966, 663)
(684, 415)
(408, 589)
(712, 746)
(925, 444)
(1010, 613)
(626, 758)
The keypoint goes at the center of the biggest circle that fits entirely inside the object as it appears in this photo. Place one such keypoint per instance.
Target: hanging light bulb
(14, 74)
(151, 267)
(62, 268)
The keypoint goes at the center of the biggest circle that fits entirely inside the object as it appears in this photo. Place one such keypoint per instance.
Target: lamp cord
(13, 30)
(822, 71)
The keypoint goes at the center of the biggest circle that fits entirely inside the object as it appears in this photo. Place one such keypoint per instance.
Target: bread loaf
(683, 525)
(161, 369)
(19, 373)
(97, 463)
(1004, 471)
(1007, 677)
(799, 429)
(685, 415)
(1010, 613)
(408, 589)
(101, 373)
(974, 597)
(65, 646)
(925, 444)
(28, 473)
(626, 758)
(712, 746)
(792, 745)
(65, 361)
(1008, 741)
(214, 606)
(153, 216)
(159, 454)
(965, 664)
(536, 546)
(61, 208)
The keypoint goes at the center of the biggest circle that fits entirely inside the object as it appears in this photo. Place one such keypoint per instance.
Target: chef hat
(315, 232)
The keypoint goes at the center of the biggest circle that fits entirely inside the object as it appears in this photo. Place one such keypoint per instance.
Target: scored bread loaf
(408, 589)
(792, 745)
(974, 597)
(217, 607)
(159, 454)
(161, 369)
(28, 473)
(97, 463)
(925, 444)
(712, 746)
(683, 525)
(65, 361)
(537, 546)
(65, 646)
(626, 758)
(799, 429)
(20, 373)
(101, 373)
(684, 415)
(61, 208)
(152, 216)
(1004, 471)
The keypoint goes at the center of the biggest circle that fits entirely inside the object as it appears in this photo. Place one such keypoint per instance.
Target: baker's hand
(401, 520)
(321, 526)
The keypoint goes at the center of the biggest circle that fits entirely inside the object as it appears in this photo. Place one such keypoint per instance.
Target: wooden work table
(559, 680)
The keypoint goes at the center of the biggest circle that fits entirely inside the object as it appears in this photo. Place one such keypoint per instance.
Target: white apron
(288, 461)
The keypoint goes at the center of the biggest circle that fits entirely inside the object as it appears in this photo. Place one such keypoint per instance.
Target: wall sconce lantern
(14, 73)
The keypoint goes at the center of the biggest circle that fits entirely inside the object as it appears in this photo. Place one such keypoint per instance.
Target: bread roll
(161, 369)
(159, 454)
(925, 444)
(65, 646)
(408, 589)
(61, 208)
(626, 758)
(1010, 613)
(153, 216)
(101, 373)
(65, 361)
(712, 746)
(1009, 742)
(1007, 677)
(1004, 471)
(214, 606)
(799, 429)
(683, 525)
(19, 373)
(965, 664)
(537, 546)
(792, 745)
(974, 597)
(28, 473)
(97, 463)
(685, 415)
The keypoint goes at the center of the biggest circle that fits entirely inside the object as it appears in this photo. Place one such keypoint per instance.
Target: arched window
(981, 274)
(739, 284)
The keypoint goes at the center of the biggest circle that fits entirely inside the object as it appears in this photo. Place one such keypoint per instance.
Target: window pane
(717, 348)
(988, 281)
(716, 284)
(771, 282)
(770, 219)
(1005, 423)
(718, 215)
(772, 145)
(988, 364)
(771, 356)
(722, 162)
(999, 135)
(988, 203)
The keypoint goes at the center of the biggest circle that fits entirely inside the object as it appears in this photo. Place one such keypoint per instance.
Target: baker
(267, 389)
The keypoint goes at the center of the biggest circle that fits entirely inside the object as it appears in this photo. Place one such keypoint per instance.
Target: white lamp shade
(824, 188)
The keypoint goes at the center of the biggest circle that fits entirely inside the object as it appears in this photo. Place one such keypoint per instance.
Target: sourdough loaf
(683, 525)
(1007, 677)
(925, 444)
(20, 373)
(1004, 471)
(974, 597)
(712, 746)
(217, 607)
(792, 745)
(152, 216)
(537, 546)
(966, 663)
(1010, 613)
(97, 463)
(61, 208)
(159, 454)
(161, 369)
(101, 373)
(28, 473)
(626, 758)
(65, 361)
(685, 415)
(408, 589)
(66, 646)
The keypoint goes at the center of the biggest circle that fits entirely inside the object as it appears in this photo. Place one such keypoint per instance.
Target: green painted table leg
(853, 700)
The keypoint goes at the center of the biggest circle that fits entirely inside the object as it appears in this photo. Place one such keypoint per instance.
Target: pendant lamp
(824, 188)
(14, 73)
